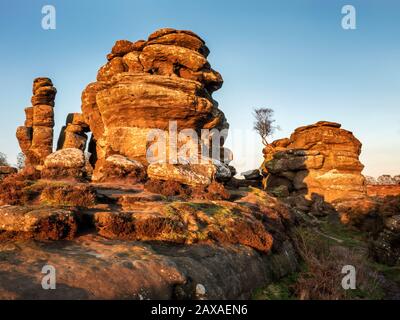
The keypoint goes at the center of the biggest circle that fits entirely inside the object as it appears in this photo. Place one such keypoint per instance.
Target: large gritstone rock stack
(320, 159)
(36, 136)
(146, 85)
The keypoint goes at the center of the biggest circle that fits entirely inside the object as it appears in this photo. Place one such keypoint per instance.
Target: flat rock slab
(91, 267)
(186, 222)
(41, 223)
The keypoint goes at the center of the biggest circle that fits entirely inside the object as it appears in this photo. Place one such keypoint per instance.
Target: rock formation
(73, 134)
(65, 164)
(36, 136)
(37, 223)
(116, 168)
(320, 159)
(146, 85)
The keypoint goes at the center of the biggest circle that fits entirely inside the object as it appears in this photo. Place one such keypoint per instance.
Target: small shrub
(322, 277)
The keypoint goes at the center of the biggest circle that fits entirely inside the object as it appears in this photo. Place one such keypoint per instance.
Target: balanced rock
(36, 136)
(146, 86)
(320, 159)
(65, 164)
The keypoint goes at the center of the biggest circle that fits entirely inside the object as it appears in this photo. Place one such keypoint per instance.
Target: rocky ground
(128, 243)
(112, 241)
(325, 246)
(93, 267)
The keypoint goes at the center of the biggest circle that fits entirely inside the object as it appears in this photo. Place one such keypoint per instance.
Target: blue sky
(292, 56)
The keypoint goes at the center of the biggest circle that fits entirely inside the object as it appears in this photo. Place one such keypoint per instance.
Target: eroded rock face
(320, 159)
(36, 136)
(144, 86)
(190, 174)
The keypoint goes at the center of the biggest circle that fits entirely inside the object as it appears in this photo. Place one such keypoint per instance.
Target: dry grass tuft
(322, 277)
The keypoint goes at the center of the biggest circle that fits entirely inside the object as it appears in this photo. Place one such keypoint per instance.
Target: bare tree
(3, 159)
(20, 161)
(264, 123)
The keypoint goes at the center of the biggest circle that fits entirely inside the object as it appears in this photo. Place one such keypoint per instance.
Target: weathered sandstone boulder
(146, 85)
(36, 136)
(24, 222)
(190, 174)
(117, 168)
(65, 164)
(320, 159)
